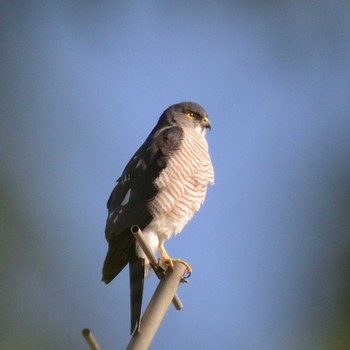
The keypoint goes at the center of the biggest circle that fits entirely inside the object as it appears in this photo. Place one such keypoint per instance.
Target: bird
(161, 188)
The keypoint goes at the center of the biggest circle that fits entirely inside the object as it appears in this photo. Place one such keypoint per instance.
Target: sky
(81, 86)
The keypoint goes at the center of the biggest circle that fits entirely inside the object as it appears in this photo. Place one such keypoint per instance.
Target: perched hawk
(160, 189)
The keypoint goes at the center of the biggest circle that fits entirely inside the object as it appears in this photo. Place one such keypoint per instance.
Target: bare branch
(154, 261)
(90, 339)
(157, 307)
(170, 278)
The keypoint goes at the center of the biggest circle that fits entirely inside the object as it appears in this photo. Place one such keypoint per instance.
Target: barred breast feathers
(182, 184)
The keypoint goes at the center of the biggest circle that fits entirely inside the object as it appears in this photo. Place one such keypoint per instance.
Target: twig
(159, 303)
(157, 307)
(153, 261)
(90, 339)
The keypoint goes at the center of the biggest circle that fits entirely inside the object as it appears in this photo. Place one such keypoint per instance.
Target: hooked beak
(206, 123)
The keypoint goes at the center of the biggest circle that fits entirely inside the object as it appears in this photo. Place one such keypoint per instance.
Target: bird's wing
(128, 206)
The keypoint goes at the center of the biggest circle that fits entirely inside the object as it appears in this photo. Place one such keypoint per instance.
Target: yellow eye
(190, 114)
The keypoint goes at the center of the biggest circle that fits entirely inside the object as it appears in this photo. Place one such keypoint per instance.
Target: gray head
(186, 114)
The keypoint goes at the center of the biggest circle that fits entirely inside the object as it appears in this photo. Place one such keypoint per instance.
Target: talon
(170, 262)
(188, 272)
(165, 257)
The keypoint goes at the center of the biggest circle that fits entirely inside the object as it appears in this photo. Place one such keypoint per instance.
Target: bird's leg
(166, 259)
(170, 261)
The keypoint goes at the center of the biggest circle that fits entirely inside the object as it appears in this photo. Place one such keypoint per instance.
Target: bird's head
(187, 114)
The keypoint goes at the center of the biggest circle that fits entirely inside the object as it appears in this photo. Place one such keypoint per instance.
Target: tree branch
(159, 303)
(157, 307)
(90, 339)
(154, 261)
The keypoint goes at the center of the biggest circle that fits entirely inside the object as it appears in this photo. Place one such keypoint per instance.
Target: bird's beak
(206, 123)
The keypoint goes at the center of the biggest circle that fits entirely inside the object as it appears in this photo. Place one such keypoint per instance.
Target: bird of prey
(160, 189)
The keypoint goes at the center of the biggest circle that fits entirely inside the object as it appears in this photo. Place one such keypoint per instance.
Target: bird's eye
(190, 114)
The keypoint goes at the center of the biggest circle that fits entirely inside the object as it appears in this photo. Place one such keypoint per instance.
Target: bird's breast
(182, 185)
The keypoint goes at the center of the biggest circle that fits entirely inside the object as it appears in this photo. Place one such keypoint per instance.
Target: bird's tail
(137, 275)
(116, 259)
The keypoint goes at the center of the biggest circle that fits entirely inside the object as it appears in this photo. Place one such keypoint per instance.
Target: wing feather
(128, 206)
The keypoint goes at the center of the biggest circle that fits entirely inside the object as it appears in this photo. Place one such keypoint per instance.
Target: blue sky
(82, 86)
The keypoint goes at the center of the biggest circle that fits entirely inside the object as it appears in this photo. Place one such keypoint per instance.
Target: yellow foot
(189, 268)
(166, 259)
